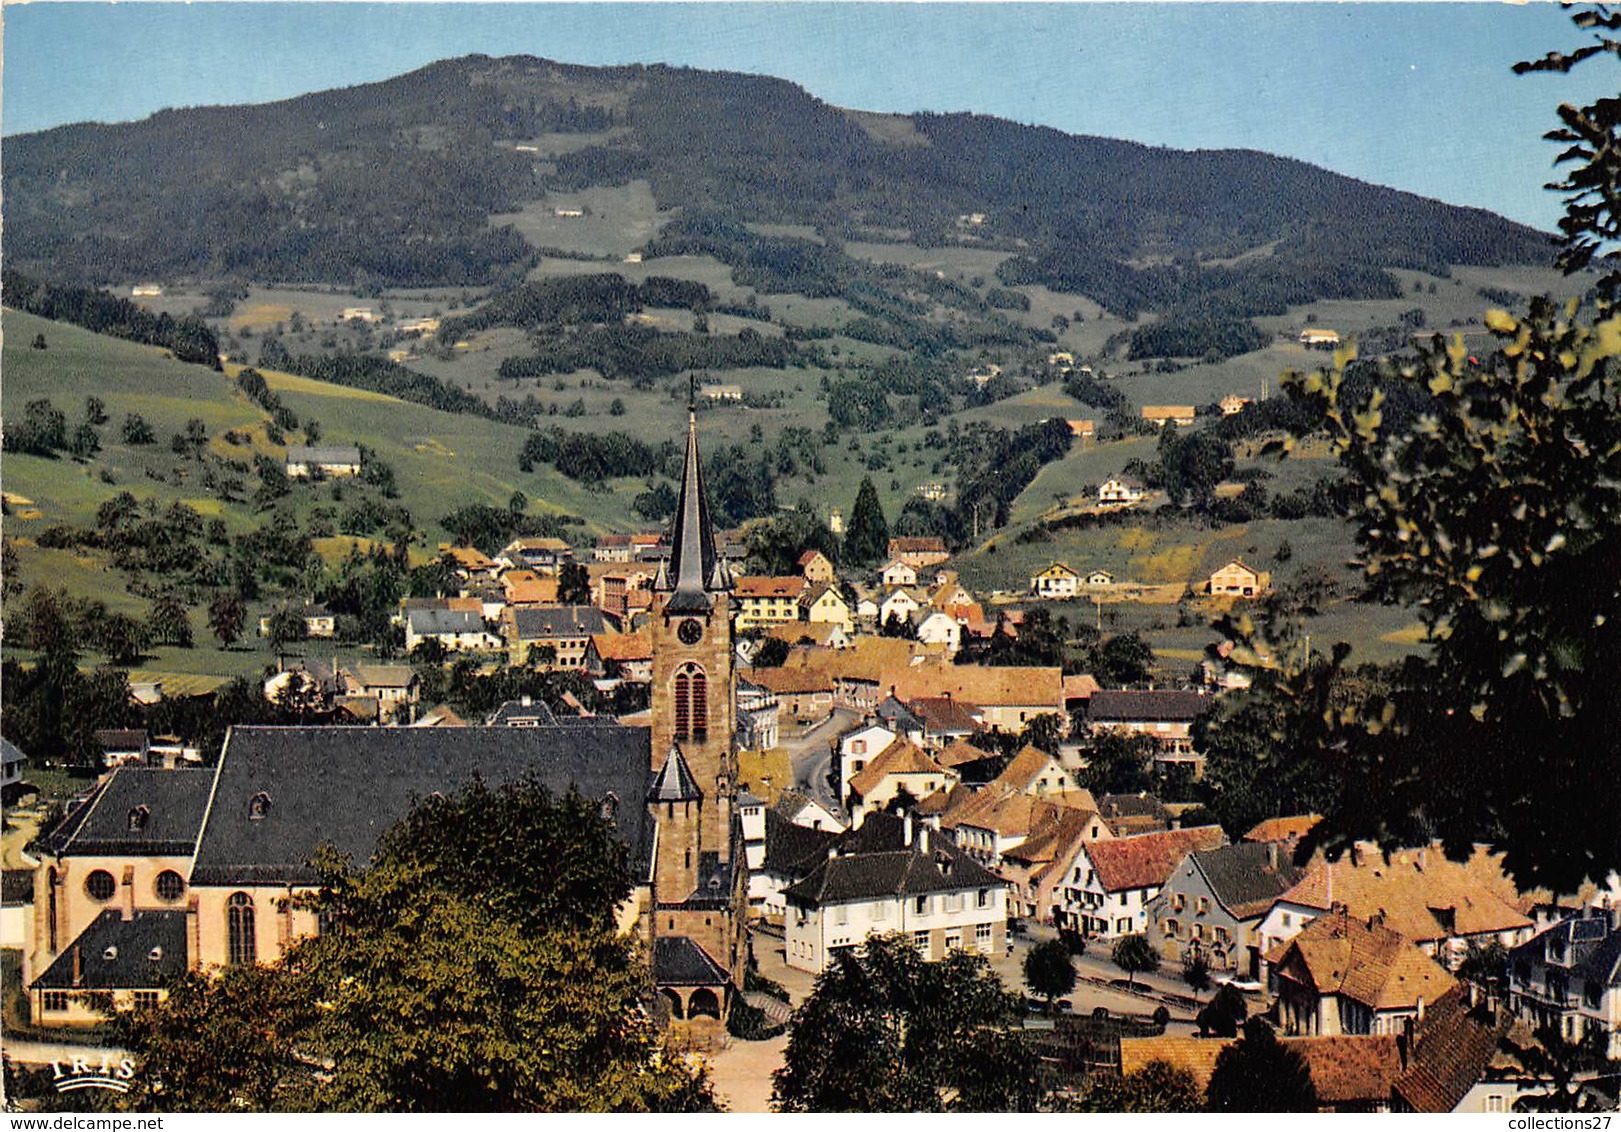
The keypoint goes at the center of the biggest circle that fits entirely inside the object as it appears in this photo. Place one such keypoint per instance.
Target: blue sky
(1414, 95)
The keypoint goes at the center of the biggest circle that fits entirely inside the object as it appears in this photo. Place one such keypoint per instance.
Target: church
(161, 871)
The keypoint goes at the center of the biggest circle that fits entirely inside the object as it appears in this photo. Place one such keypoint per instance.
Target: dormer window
(110, 954)
(155, 955)
(259, 806)
(609, 807)
(138, 818)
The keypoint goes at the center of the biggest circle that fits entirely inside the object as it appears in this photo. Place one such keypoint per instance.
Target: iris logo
(83, 1073)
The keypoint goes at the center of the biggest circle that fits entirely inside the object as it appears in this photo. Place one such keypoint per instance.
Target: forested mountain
(394, 183)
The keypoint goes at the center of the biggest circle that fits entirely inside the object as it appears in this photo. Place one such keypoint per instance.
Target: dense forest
(396, 182)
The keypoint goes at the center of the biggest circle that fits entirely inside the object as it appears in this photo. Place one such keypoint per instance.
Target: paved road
(810, 755)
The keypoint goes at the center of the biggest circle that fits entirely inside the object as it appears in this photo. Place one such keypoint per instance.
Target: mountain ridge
(394, 183)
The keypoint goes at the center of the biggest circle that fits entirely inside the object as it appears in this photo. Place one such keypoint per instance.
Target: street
(810, 755)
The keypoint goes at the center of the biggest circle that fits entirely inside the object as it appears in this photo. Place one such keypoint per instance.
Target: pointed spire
(695, 570)
(674, 781)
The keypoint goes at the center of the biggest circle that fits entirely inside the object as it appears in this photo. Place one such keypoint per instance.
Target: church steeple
(695, 571)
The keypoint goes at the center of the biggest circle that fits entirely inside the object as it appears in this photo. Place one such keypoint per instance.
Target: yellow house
(816, 567)
(825, 604)
(1235, 579)
(763, 602)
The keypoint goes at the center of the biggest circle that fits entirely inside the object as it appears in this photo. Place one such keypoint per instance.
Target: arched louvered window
(691, 703)
(239, 927)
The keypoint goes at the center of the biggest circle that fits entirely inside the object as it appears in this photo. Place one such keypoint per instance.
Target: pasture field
(615, 221)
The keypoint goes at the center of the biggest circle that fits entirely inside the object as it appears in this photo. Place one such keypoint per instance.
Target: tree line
(188, 338)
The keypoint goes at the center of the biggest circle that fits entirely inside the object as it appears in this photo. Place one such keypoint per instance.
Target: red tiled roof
(1146, 860)
(1413, 889)
(1283, 829)
(747, 587)
(900, 757)
(1341, 955)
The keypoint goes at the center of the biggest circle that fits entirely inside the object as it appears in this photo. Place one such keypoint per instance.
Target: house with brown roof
(1161, 415)
(816, 567)
(620, 656)
(527, 587)
(1212, 904)
(919, 552)
(1343, 975)
(1008, 698)
(804, 693)
(1351, 1074)
(1164, 715)
(540, 554)
(1036, 867)
(901, 767)
(1111, 882)
(821, 603)
(1454, 1062)
(1438, 904)
(819, 634)
(1058, 580)
(470, 561)
(763, 602)
(1286, 829)
(1121, 491)
(897, 573)
(945, 720)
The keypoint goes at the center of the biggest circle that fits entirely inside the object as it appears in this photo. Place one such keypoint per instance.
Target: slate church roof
(145, 952)
(347, 785)
(137, 812)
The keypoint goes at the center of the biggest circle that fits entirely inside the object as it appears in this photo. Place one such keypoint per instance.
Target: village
(882, 787)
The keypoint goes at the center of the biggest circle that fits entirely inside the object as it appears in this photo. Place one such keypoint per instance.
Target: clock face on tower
(690, 631)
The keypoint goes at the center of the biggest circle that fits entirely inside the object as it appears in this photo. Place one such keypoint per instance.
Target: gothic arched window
(242, 948)
(691, 703)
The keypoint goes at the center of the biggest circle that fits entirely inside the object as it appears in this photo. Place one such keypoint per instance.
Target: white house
(938, 628)
(1118, 491)
(859, 746)
(898, 573)
(922, 887)
(1056, 581)
(900, 604)
(1111, 882)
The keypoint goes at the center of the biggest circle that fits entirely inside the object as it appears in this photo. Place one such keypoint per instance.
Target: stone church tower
(699, 876)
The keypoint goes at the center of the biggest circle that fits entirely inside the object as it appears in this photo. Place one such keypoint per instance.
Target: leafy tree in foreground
(1498, 520)
(1049, 971)
(886, 1031)
(1134, 955)
(1223, 1014)
(1257, 1074)
(1495, 515)
(474, 967)
(1156, 1087)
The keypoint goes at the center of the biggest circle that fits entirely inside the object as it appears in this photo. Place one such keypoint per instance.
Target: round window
(100, 885)
(171, 886)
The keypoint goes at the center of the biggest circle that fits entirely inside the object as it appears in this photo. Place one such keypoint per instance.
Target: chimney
(832, 852)
(527, 700)
(1272, 855)
(906, 828)
(1421, 1008)
(923, 839)
(78, 966)
(126, 895)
